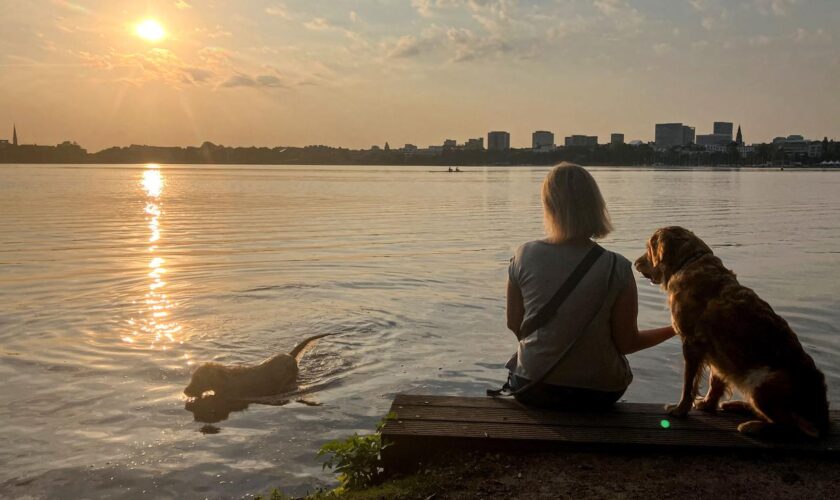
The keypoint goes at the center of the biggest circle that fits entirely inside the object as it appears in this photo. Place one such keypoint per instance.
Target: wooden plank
(707, 423)
(438, 424)
(619, 408)
(575, 435)
(487, 402)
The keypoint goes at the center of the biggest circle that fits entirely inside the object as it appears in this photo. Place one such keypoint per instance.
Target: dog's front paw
(706, 405)
(677, 410)
(753, 427)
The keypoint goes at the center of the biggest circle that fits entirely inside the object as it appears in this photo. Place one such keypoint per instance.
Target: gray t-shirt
(580, 330)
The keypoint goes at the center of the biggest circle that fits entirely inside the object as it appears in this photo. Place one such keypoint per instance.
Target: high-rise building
(688, 135)
(581, 140)
(616, 138)
(714, 139)
(449, 144)
(723, 128)
(498, 141)
(542, 139)
(739, 139)
(669, 135)
(476, 144)
(14, 135)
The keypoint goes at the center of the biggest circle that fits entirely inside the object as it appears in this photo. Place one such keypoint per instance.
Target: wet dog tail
(305, 343)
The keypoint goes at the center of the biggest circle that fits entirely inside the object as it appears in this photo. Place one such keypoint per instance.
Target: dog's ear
(656, 248)
(665, 246)
(676, 243)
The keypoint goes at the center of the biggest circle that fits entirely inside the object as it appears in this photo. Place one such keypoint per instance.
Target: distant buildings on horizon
(666, 137)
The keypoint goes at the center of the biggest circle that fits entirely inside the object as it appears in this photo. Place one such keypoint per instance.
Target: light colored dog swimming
(275, 375)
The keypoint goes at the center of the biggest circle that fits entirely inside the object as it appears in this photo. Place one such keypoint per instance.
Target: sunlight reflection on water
(156, 328)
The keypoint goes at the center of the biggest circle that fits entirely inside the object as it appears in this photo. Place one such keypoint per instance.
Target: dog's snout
(642, 264)
(638, 262)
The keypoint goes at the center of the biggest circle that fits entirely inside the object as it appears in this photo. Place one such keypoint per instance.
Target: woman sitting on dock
(571, 348)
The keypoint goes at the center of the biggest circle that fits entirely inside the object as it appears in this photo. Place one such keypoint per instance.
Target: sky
(355, 73)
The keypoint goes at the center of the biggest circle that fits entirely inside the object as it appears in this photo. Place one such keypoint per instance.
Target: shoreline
(645, 167)
(596, 475)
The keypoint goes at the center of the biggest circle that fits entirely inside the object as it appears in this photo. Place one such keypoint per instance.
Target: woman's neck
(574, 242)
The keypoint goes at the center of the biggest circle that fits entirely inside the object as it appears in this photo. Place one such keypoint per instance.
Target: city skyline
(298, 73)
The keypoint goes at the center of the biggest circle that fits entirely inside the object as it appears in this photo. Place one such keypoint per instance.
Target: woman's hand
(515, 308)
(625, 330)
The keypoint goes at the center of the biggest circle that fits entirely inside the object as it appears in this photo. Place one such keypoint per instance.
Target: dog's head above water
(669, 249)
(207, 377)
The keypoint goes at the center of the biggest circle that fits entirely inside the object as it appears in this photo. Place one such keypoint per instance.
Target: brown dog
(726, 326)
(275, 375)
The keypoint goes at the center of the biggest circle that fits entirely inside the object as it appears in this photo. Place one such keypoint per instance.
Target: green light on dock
(665, 424)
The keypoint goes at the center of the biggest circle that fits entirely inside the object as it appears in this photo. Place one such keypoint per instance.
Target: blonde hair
(572, 204)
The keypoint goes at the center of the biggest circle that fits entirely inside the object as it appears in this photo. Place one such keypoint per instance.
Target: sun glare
(150, 30)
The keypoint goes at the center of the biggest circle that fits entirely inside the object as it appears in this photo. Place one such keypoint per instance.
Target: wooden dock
(432, 425)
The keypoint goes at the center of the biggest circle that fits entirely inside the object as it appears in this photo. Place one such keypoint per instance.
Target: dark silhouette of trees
(209, 153)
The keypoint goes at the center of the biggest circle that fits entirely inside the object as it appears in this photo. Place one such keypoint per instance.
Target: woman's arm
(515, 308)
(625, 331)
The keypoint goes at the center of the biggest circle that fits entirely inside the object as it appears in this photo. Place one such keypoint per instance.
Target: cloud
(699, 5)
(218, 32)
(71, 6)
(662, 49)
(322, 25)
(318, 24)
(199, 75)
(157, 64)
(469, 46)
(278, 9)
(181, 4)
(609, 7)
(406, 46)
(713, 14)
(816, 37)
(479, 29)
(759, 41)
(258, 81)
(426, 8)
(778, 8)
(621, 13)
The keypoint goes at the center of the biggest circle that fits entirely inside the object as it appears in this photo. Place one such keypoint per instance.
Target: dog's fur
(745, 344)
(273, 376)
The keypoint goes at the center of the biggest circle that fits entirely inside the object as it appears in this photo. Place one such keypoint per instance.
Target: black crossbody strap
(548, 311)
(563, 355)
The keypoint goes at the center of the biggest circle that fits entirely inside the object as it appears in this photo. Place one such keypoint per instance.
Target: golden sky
(359, 72)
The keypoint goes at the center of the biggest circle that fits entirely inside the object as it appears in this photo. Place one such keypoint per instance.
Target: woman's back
(580, 326)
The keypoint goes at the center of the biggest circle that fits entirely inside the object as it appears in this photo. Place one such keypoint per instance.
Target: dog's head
(667, 250)
(213, 409)
(207, 377)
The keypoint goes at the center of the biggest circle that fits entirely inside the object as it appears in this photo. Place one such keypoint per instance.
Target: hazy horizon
(296, 73)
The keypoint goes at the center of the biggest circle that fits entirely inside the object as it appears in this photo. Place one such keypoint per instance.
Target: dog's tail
(807, 427)
(298, 350)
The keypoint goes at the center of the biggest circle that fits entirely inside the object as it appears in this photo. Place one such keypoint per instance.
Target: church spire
(14, 135)
(739, 139)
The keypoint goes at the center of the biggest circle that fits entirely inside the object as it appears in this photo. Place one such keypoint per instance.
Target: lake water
(116, 280)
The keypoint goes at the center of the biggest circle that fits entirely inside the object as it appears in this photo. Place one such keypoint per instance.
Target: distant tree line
(608, 154)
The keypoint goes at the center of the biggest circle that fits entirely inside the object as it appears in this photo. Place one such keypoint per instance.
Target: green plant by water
(357, 459)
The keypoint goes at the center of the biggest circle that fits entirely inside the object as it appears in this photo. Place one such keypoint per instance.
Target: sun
(150, 30)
